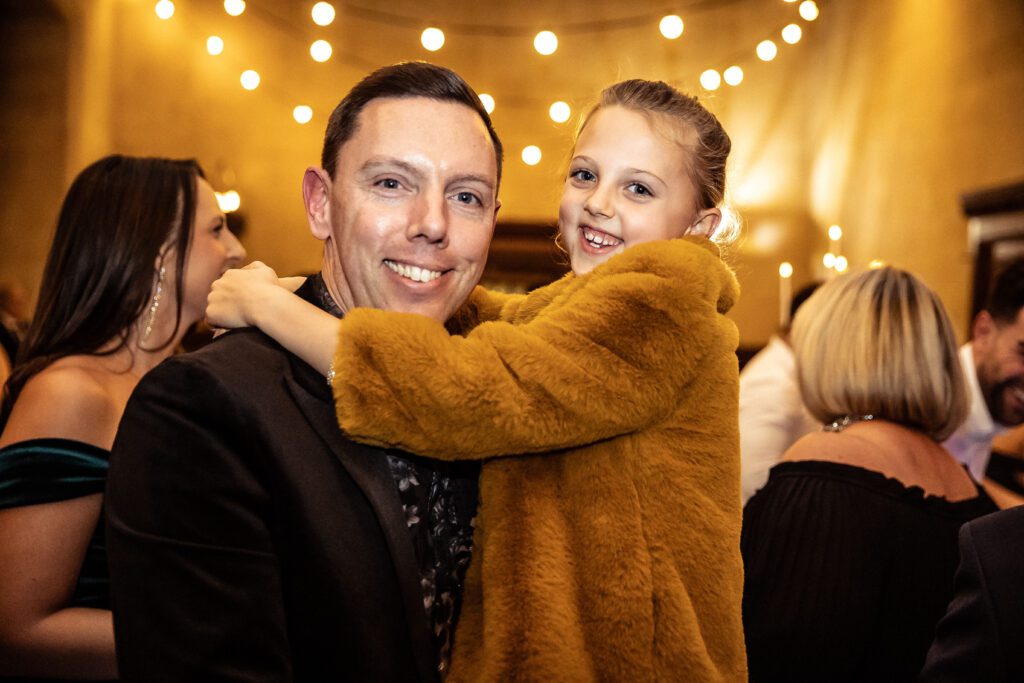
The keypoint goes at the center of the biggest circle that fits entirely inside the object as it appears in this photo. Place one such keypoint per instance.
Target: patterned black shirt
(440, 502)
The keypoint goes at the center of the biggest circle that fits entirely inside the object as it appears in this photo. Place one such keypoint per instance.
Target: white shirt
(971, 443)
(772, 415)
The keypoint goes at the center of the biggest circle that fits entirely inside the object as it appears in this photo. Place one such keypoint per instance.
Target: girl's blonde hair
(702, 136)
(880, 343)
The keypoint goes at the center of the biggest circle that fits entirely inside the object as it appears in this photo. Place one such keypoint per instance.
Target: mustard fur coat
(613, 553)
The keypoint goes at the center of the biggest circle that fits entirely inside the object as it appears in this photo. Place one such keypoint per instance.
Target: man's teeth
(414, 273)
(599, 240)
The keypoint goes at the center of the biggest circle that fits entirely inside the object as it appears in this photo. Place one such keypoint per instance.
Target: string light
(835, 233)
(164, 9)
(302, 114)
(545, 43)
(876, 263)
(791, 34)
(559, 112)
(710, 80)
(250, 79)
(234, 7)
(228, 201)
(432, 39)
(320, 51)
(214, 45)
(808, 10)
(531, 155)
(828, 260)
(766, 50)
(323, 13)
(671, 26)
(841, 264)
(488, 102)
(786, 269)
(733, 75)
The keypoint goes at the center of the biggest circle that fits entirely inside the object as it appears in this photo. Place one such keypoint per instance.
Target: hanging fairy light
(250, 79)
(302, 114)
(792, 34)
(215, 45)
(841, 264)
(828, 260)
(228, 201)
(164, 9)
(559, 112)
(766, 50)
(545, 43)
(808, 10)
(671, 26)
(835, 233)
(234, 7)
(531, 155)
(320, 51)
(710, 80)
(733, 75)
(488, 102)
(432, 39)
(323, 13)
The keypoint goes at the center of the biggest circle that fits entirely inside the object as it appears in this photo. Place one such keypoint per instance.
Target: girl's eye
(467, 198)
(584, 175)
(639, 189)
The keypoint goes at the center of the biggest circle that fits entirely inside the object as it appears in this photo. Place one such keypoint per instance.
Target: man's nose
(431, 219)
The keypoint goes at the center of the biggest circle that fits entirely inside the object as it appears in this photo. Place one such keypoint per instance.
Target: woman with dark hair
(138, 243)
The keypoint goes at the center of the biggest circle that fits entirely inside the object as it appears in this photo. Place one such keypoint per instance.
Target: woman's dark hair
(120, 217)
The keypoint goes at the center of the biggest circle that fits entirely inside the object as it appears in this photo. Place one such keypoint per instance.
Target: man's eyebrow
(472, 178)
(377, 163)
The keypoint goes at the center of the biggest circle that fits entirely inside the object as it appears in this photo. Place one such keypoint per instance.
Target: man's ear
(316, 195)
(706, 223)
(982, 333)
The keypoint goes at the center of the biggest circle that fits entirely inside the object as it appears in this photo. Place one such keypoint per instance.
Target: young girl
(613, 552)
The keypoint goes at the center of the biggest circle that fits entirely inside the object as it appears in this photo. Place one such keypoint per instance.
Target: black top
(50, 470)
(847, 573)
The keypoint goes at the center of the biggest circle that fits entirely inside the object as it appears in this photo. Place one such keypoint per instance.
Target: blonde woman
(851, 547)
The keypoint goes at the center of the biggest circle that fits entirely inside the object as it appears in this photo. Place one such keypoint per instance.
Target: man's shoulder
(240, 355)
(1003, 530)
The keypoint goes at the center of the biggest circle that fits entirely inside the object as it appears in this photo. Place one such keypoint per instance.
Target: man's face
(412, 208)
(999, 359)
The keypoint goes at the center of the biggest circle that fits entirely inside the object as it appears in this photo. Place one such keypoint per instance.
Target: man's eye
(389, 184)
(583, 174)
(467, 198)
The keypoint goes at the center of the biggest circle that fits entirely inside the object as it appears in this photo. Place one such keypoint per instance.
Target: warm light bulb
(835, 232)
(671, 26)
(808, 10)
(215, 45)
(545, 43)
(250, 79)
(876, 263)
(320, 50)
(828, 260)
(786, 270)
(488, 102)
(234, 7)
(323, 13)
(164, 9)
(766, 50)
(228, 201)
(432, 39)
(302, 114)
(841, 264)
(531, 155)
(559, 112)
(733, 75)
(710, 80)
(791, 34)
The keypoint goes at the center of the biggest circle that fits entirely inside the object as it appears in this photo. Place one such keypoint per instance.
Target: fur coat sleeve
(584, 359)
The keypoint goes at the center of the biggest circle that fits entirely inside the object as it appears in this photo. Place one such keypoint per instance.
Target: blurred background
(864, 131)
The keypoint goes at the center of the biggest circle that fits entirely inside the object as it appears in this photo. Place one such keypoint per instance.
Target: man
(249, 540)
(993, 363)
(772, 414)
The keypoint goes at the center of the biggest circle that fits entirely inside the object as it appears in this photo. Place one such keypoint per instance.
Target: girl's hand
(238, 297)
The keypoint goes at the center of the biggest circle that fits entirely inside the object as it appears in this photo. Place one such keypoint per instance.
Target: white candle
(785, 292)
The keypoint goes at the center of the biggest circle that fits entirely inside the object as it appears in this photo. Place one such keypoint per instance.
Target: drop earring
(151, 317)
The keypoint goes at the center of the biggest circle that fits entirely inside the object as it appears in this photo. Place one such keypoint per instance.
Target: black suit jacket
(981, 638)
(248, 539)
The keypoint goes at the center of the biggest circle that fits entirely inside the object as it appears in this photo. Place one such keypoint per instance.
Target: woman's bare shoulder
(68, 400)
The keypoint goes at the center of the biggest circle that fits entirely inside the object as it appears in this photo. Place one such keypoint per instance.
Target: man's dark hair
(406, 79)
(1007, 296)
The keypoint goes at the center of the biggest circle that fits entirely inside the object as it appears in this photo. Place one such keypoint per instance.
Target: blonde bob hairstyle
(880, 343)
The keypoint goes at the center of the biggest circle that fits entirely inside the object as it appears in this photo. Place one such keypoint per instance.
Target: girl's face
(627, 184)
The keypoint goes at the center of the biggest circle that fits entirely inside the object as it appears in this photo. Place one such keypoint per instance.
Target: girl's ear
(706, 223)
